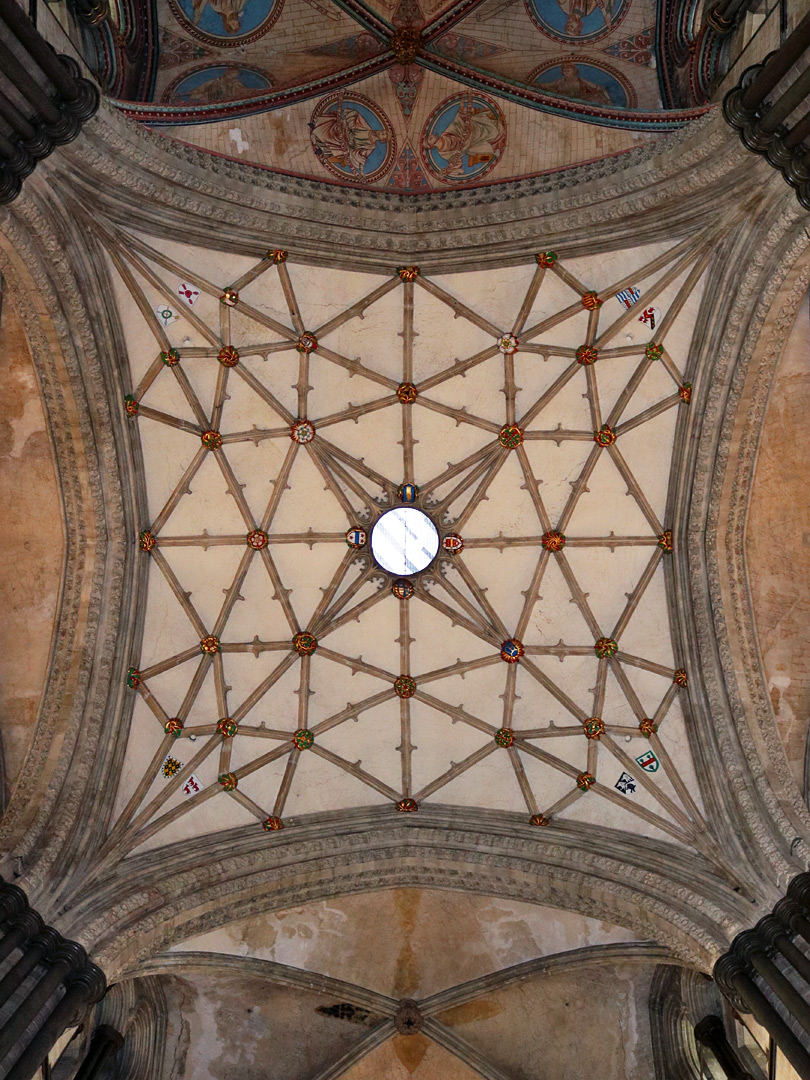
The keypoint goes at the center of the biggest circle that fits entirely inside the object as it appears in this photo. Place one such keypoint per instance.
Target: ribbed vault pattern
(532, 415)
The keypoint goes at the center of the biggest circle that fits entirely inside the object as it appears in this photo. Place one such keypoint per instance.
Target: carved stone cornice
(148, 181)
(658, 890)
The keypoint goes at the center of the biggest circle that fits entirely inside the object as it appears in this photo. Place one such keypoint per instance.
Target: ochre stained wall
(778, 545)
(32, 544)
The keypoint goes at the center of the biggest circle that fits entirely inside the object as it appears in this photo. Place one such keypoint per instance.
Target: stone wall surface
(779, 522)
(526, 1030)
(408, 942)
(410, 1058)
(32, 544)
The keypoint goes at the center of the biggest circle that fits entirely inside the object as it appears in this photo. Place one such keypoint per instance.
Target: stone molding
(656, 889)
(742, 342)
(187, 963)
(219, 202)
(675, 1054)
(40, 830)
(591, 956)
(751, 393)
(153, 1027)
(421, 1013)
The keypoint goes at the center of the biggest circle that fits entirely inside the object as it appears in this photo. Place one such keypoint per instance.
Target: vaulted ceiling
(309, 804)
(530, 413)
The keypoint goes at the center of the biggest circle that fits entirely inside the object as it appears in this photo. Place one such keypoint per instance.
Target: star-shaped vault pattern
(531, 414)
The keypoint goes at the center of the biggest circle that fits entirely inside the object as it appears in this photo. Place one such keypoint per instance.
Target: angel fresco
(230, 11)
(571, 84)
(580, 79)
(351, 138)
(577, 20)
(226, 22)
(575, 12)
(465, 139)
(220, 84)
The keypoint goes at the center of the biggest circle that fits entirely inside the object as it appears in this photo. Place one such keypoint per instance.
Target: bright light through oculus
(404, 541)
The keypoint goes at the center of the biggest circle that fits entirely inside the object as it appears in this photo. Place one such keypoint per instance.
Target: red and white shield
(188, 293)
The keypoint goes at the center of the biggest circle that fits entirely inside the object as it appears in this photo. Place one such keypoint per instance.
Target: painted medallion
(352, 138)
(580, 79)
(211, 85)
(226, 22)
(577, 20)
(464, 138)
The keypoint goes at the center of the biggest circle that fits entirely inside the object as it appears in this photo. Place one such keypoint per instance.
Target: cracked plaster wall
(593, 1022)
(410, 1058)
(407, 942)
(242, 1028)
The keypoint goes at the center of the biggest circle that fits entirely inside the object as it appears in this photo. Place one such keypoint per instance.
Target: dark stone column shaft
(46, 118)
(778, 65)
(37, 1050)
(765, 1014)
(106, 1042)
(784, 988)
(709, 1032)
(12, 902)
(62, 968)
(732, 8)
(12, 1031)
(784, 105)
(795, 957)
(723, 16)
(43, 944)
(31, 91)
(17, 936)
(40, 51)
(799, 132)
(12, 115)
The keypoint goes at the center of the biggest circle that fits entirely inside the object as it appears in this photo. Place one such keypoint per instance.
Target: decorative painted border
(478, 79)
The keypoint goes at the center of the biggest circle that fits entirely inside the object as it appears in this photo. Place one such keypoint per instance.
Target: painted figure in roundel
(226, 22)
(577, 20)
(464, 138)
(211, 85)
(352, 138)
(581, 79)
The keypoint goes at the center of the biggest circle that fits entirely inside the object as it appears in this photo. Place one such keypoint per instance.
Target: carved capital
(13, 901)
(727, 969)
(799, 890)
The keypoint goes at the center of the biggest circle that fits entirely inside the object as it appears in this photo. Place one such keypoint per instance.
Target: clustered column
(43, 98)
(766, 972)
(46, 984)
(761, 122)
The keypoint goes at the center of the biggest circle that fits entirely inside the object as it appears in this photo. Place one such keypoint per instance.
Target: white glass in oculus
(404, 541)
